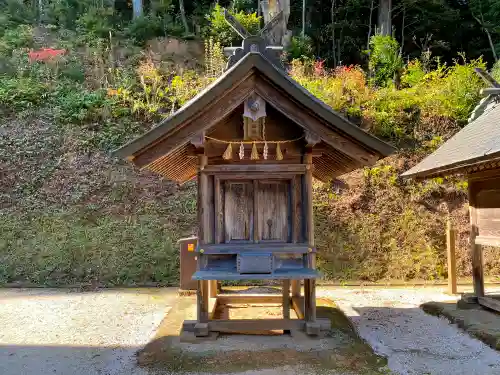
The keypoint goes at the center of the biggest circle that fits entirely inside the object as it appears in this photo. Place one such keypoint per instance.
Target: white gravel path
(414, 343)
(62, 332)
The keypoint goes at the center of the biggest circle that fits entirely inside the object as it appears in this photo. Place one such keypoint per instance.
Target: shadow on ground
(339, 351)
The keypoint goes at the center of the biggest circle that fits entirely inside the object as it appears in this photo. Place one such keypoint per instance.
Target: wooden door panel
(238, 211)
(273, 206)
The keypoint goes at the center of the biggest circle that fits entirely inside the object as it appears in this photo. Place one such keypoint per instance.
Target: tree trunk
(183, 16)
(490, 40)
(385, 17)
(372, 7)
(402, 32)
(333, 34)
(137, 8)
(303, 18)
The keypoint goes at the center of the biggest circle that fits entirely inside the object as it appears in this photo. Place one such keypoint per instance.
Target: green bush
(495, 72)
(19, 37)
(413, 74)
(75, 104)
(14, 12)
(96, 22)
(144, 28)
(384, 60)
(223, 33)
(300, 48)
(20, 93)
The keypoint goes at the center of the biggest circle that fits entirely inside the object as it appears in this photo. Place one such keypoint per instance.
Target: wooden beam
(243, 325)
(243, 299)
(237, 27)
(231, 326)
(490, 303)
(200, 122)
(245, 168)
(299, 115)
(274, 247)
(298, 306)
(488, 241)
(268, 27)
(487, 77)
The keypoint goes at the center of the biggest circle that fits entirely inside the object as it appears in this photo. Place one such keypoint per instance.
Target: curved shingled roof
(476, 143)
(175, 128)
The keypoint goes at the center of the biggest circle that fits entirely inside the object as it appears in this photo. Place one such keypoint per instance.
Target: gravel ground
(63, 332)
(415, 343)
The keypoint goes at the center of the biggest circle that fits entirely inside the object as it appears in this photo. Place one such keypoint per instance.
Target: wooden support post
(212, 288)
(202, 294)
(286, 299)
(476, 249)
(452, 264)
(295, 288)
(477, 269)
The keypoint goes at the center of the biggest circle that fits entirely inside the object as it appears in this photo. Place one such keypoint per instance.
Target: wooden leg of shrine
(201, 327)
(286, 299)
(295, 288)
(213, 288)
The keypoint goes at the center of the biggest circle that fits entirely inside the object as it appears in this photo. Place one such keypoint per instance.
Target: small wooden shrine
(254, 139)
(475, 152)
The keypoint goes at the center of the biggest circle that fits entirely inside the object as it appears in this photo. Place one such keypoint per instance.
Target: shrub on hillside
(223, 33)
(384, 61)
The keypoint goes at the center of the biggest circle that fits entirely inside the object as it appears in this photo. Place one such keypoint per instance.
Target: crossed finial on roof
(254, 43)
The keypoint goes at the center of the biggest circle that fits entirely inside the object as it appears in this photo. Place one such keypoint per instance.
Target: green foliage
(300, 47)
(495, 72)
(17, 94)
(385, 60)
(20, 36)
(413, 74)
(14, 12)
(223, 33)
(144, 28)
(96, 22)
(74, 104)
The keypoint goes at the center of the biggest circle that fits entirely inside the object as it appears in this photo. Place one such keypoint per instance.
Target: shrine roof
(175, 132)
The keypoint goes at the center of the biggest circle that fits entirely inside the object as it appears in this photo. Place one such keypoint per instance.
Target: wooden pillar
(452, 264)
(312, 328)
(295, 288)
(202, 294)
(476, 250)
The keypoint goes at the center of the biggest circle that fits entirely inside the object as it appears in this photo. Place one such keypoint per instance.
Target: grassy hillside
(70, 214)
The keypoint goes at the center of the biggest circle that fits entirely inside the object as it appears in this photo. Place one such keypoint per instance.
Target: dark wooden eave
(166, 146)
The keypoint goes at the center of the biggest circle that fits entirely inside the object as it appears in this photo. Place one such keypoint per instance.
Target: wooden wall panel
(488, 211)
(273, 215)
